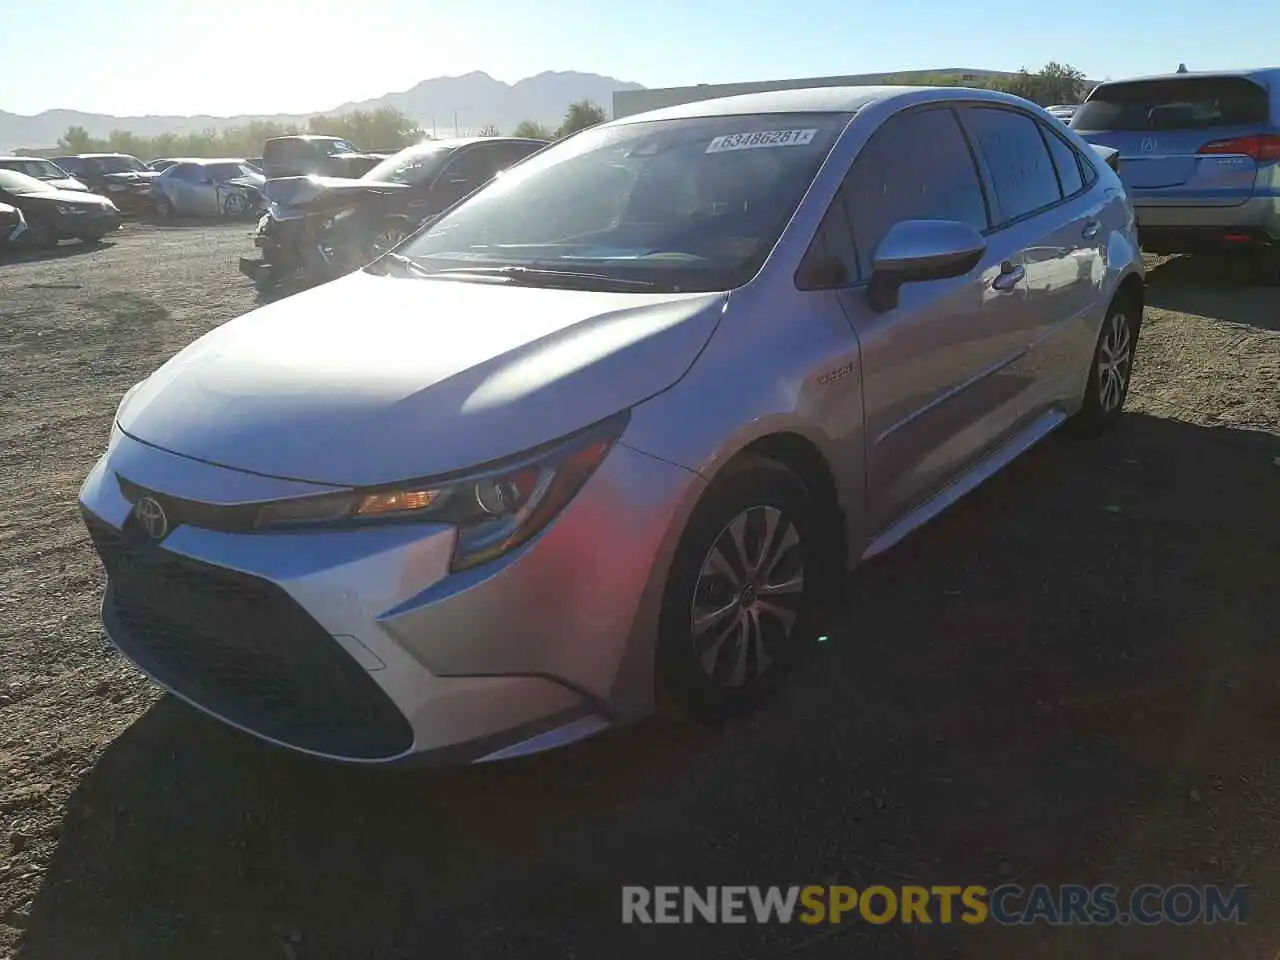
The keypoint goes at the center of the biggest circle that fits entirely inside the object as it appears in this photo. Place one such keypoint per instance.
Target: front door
(940, 377)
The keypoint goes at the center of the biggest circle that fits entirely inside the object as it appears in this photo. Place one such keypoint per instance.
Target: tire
(41, 235)
(714, 671)
(1111, 369)
(235, 206)
(385, 235)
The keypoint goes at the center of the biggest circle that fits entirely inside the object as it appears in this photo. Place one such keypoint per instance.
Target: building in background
(628, 102)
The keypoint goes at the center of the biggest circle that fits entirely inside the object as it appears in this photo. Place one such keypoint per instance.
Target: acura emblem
(1148, 145)
(151, 517)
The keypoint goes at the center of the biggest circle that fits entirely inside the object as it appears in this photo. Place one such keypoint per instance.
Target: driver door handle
(1009, 277)
(1091, 229)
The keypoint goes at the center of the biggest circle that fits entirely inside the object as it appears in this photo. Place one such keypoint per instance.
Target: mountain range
(475, 98)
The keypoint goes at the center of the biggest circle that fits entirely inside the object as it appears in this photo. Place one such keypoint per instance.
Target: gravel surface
(1072, 677)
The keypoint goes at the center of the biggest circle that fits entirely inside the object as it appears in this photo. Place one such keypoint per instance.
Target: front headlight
(66, 209)
(495, 509)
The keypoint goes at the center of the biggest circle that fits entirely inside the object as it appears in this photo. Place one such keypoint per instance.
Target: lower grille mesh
(242, 648)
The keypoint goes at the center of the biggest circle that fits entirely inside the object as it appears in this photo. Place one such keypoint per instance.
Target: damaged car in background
(209, 188)
(328, 226)
(123, 178)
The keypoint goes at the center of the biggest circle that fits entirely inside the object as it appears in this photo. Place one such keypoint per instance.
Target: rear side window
(1021, 170)
(1182, 103)
(1065, 161)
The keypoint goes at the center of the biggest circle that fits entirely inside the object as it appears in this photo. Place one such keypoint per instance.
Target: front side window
(916, 166)
(692, 204)
(1018, 160)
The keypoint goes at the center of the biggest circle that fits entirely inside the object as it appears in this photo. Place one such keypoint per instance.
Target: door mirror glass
(918, 250)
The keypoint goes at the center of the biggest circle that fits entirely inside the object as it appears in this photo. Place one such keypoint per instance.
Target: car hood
(244, 182)
(78, 197)
(316, 192)
(69, 184)
(373, 379)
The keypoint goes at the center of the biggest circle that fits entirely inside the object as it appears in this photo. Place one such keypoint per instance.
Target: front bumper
(132, 198)
(88, 223)
(361, 645)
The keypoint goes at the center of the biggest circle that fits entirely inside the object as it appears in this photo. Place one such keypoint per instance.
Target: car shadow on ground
(1030, 689)
(1214, 286)
(65, 249)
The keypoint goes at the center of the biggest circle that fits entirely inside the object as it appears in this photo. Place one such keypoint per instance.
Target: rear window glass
(1178, 104)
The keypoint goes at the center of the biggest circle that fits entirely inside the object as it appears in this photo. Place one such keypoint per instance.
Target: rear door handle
(1009, 277)
(1091, 229)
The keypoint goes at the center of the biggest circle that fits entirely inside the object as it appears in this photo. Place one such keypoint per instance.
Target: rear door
(1182, 140)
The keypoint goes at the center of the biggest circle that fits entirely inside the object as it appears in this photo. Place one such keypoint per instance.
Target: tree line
(388, 129)
(385, 129)
(1051, 84)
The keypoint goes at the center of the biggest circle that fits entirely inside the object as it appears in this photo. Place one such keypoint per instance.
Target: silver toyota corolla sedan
(599, 437)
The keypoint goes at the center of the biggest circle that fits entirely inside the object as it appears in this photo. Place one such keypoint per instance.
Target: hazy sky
(286, 56)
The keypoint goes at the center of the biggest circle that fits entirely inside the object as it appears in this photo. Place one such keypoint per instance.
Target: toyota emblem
(151, 517)
(1148, 145)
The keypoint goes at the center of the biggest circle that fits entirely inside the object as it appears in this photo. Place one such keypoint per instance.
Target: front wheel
(1112, 368)
(737, 609)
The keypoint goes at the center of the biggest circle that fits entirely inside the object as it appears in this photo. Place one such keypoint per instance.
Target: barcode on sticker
(761, 138)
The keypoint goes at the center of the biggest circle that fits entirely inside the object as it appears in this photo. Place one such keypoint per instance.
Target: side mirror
(914, 251)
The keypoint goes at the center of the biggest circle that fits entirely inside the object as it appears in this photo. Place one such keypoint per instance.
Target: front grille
(243, 649)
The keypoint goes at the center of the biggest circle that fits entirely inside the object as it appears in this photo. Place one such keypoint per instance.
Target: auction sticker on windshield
(762, 138)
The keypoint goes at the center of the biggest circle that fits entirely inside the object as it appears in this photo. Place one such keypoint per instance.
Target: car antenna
(1182, 68)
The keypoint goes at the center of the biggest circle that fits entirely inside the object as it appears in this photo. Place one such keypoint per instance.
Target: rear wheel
(737, 609)
(1112, 367)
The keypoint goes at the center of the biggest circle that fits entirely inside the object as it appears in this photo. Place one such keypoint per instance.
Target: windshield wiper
(404, 266)
(544, 277)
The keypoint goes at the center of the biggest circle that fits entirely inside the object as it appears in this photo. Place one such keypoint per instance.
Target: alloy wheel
(386, 239)
(235, 205)
(1115, 362)
(748, 596)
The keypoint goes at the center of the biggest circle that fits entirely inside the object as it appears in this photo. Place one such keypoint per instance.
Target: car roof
(801, 100)
(1262, 74)
(18, 156)
(93, 156)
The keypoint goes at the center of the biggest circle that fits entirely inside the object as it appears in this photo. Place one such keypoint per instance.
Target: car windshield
(116, 164)
(20, 183)
(1194, 103)
(674, 205)
(336, 146)
(40, 169)
(413, 165)
(231, 170)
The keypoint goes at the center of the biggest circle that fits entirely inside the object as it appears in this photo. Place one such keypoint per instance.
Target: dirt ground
(1072, 677)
